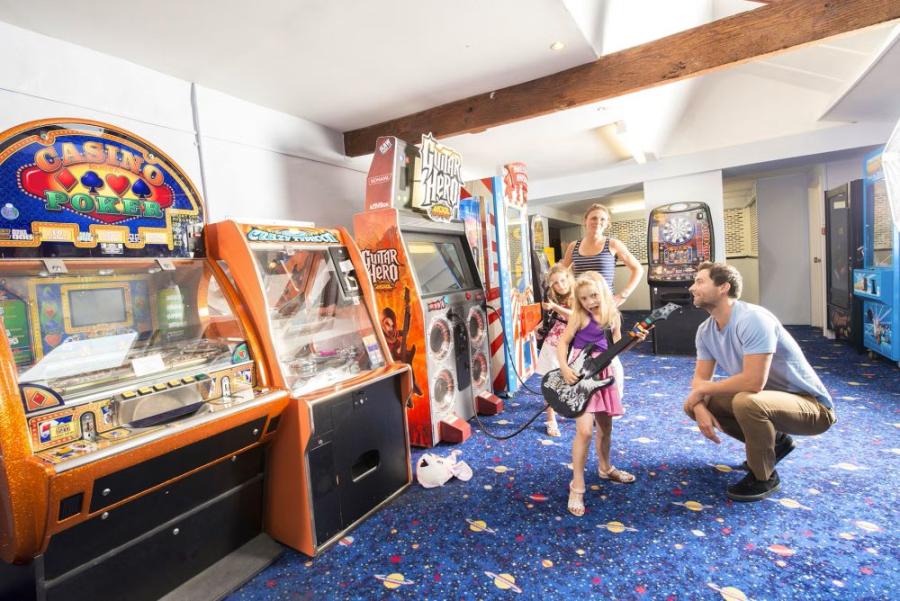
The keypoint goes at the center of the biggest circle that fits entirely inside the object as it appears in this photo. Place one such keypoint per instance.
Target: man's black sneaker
(784, 444)
(751, 489)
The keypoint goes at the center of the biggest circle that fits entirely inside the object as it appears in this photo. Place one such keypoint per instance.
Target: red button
(468, 295)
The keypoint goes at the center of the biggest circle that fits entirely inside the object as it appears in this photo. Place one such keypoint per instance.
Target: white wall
(256, 162)
(841, 172)
(784, 260)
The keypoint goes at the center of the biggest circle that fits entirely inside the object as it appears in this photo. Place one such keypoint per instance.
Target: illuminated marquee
(309, 236)
(91, 184)
(441, 179)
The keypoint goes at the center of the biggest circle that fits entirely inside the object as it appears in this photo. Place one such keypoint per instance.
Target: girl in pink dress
(560, 300)
(595, 313)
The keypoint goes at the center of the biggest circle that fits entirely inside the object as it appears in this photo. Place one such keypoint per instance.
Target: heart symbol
(49, 310)
(53, 339)
(118, 183)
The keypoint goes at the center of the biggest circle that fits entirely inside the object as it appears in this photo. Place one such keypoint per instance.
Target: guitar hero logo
(383, 266)
(441, 179)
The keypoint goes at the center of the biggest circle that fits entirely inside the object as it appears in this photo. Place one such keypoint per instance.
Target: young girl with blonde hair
(559, 303)
(595, 313)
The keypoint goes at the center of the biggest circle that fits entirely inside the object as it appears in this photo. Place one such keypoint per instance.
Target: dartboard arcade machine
(679, 237)
(342, 448)
(134, 412)
(429, 295)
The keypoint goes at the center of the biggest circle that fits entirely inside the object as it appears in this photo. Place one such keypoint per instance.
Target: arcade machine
(512, 314)
(134, 410)
(844, 252)
(342, 450)
(679, 237)
(429, 295)
(878, 283)
(540, 264)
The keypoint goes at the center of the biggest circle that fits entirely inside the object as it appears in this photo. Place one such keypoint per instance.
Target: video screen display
(440, 262)
(97, 305)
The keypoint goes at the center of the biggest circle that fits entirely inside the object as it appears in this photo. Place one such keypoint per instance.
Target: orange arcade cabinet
(342, 449)
(133, 408)
(431, 302)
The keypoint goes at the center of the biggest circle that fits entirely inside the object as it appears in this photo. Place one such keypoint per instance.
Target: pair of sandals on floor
(576, 496)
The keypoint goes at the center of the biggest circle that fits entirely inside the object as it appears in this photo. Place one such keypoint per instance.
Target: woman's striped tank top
(603, 263)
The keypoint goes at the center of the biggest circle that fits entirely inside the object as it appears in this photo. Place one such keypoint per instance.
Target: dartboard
(678, 230)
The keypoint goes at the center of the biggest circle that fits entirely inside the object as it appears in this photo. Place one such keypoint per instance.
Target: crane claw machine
(513, 316)
(133, 407)
(877, 284)
(342, 449)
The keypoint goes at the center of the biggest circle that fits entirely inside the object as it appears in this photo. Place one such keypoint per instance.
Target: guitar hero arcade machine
(342, 450)
(426, 283)
(132, 406)
(679, 237)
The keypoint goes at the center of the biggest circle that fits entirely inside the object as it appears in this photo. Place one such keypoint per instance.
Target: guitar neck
(606, 357)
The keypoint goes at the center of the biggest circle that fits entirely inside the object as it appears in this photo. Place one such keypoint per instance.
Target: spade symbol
(141, 189)
(91, 180)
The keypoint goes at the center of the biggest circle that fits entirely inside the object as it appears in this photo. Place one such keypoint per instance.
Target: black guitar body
(571, 400)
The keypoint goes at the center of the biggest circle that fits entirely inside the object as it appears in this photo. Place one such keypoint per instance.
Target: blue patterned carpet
(829, 533)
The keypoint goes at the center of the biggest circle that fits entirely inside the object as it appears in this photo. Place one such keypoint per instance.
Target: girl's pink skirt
(606, 400)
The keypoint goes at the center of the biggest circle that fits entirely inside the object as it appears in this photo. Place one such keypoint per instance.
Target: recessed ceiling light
(557, 46)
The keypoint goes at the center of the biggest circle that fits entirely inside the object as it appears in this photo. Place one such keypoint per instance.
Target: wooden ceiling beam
(737, 39)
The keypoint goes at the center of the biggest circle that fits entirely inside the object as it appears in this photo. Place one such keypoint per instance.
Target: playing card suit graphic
(36, 182)
(118, 183)
(91, 181)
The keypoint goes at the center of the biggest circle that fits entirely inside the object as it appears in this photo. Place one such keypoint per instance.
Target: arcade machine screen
(679, 238)
(321, 332)
(440, 263)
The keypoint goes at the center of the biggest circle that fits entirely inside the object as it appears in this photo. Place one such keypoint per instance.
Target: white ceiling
(347, 64)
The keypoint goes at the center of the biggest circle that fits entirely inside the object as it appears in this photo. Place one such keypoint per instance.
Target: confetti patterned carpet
(829, 533)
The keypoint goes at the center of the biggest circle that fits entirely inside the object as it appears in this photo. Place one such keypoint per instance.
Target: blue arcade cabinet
(878, 283)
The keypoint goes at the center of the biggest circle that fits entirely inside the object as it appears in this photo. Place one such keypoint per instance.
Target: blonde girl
(594, 315)
(560, 300)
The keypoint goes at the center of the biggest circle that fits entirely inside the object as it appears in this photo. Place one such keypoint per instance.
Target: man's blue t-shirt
(753, 330)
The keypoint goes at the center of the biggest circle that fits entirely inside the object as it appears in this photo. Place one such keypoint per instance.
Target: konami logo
(379, 179)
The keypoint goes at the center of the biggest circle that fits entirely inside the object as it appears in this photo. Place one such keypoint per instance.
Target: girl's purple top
(591, 333)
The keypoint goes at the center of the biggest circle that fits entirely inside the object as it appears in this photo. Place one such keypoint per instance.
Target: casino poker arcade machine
(679, 237)
(342, 449)
(426, 282)
(133, 411)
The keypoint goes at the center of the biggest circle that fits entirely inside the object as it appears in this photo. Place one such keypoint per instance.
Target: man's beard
(701, 304)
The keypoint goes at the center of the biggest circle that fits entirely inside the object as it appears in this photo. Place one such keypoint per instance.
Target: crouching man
(770, 391)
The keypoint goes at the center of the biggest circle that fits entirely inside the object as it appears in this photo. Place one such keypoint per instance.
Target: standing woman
(597, 252)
